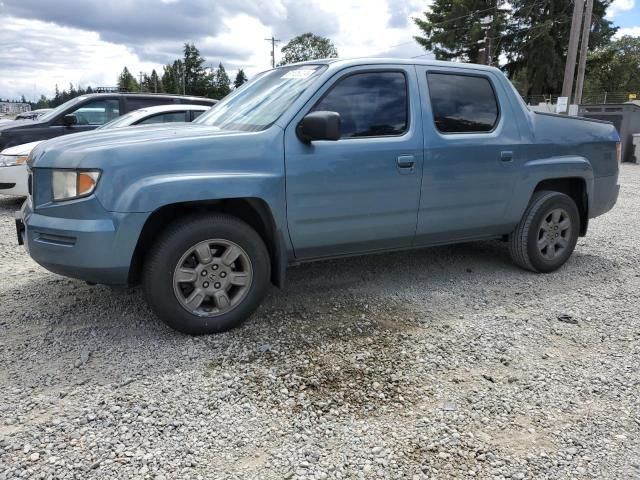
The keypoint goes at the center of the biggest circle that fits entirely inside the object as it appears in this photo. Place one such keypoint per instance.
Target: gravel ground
(439, 363)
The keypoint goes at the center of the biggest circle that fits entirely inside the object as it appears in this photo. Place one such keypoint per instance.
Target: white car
(13, 169)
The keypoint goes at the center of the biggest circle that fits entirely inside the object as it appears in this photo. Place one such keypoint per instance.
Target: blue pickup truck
(316, 160)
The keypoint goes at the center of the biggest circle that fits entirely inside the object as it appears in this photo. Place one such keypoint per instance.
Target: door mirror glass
(69, 120)
(320, 125)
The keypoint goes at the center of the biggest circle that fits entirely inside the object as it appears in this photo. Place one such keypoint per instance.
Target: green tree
(56, 98)
(615, 67)
(196, 77)
(463, 29)
(307, 47)
(172, 79)
(154, 84)
(241, 78)
(221, 85)
(42, 102)
(537, 38)
(127, 82)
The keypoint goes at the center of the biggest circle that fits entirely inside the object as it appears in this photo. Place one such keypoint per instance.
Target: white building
(14, 108)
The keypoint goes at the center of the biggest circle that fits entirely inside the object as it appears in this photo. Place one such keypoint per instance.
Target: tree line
(190, 76)
(528, 40)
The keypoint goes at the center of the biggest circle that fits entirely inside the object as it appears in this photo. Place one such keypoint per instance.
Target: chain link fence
(587, 98)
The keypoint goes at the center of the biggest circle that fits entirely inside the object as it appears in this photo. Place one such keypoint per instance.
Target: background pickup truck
(315, 160)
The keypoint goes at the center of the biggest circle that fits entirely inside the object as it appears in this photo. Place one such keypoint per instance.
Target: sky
(88, 42)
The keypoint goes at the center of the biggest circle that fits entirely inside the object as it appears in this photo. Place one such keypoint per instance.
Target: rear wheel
(206, 274)
(547, 234)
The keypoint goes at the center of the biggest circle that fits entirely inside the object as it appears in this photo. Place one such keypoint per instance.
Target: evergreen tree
(307, 47)
(127, 82)
(221, 85)
(462, 29)
(537, 38)
(241, 78)
(56, 99)
(196, 77)
(154, 84)
(42, 102)
(172, 77)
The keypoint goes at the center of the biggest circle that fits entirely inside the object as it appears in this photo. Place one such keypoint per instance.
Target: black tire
(523, 241)
(165, 254)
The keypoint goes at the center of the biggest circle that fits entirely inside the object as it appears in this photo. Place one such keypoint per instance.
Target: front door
(359, 193)
(90, 115)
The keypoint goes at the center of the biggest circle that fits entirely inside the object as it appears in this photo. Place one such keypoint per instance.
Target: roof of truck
(352, 62)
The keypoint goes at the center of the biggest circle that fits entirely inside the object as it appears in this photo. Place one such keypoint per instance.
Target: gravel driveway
(439, 363)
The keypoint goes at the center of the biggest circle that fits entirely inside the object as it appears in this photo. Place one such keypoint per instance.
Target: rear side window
(134, 103)
(462, 103)
(371, 104)
(169, 117)
(196, 113)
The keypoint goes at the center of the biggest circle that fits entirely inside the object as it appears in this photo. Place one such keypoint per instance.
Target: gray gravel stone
(439, 363)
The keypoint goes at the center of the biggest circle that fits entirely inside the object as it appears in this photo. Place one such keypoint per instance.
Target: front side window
(370, 104)
(462, 103)
(97, 112)
(169, 117)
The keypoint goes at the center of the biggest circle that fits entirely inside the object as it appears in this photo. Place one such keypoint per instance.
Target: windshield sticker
(300, 73)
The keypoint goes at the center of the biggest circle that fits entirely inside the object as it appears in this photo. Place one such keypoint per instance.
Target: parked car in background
(33, 114)
(13, 169)
(85, 113)
(323, 159)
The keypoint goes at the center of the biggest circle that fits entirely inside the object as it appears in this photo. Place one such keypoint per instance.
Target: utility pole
(273, 49)
(572, 53)
(584, 47)
(486, 26)
(141, 74)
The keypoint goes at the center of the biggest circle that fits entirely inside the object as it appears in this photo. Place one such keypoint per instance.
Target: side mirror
(69, 120)
(320, 126)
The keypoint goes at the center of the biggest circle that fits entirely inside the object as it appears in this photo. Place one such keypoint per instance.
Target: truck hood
(24, 149)
(89, 148)
(11, 124)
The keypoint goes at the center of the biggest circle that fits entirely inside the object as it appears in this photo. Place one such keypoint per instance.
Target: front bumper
(13, 180)
(95, 250)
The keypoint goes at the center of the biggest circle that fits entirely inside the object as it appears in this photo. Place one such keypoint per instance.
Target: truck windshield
(259, 103)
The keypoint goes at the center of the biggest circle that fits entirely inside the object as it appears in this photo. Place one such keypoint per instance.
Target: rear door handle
(506, 156)
(406, 162)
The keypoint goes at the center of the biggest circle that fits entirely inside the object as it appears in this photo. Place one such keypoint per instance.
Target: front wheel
(206, 274)
(547, 234)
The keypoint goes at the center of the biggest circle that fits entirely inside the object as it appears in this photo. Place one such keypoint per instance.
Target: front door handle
(406, 162)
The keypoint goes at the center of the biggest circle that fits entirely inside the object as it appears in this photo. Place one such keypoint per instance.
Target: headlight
(70, 184)
(12, 160)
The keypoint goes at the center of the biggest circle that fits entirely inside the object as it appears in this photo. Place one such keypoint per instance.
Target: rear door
(359, 193)
(471, 142)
